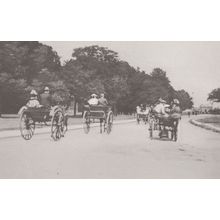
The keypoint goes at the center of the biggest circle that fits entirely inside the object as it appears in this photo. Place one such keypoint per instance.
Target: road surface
(126, 153)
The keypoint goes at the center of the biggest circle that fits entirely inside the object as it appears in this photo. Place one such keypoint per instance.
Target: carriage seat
(97, 108)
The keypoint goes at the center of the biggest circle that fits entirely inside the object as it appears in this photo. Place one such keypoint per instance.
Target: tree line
(214, 95)
(93, 69)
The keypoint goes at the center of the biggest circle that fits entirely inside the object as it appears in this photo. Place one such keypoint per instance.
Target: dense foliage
(214, 95)
(93, 69)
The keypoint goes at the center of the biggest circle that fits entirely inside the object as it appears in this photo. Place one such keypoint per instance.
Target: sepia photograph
(109, 110)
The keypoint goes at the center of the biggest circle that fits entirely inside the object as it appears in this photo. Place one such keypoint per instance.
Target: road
(126, 153)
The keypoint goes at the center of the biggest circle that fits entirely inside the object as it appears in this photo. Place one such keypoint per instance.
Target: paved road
(126, 153)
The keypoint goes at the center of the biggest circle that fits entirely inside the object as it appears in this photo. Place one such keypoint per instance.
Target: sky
(193, 66)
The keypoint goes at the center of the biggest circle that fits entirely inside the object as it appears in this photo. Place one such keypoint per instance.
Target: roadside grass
(215, 119)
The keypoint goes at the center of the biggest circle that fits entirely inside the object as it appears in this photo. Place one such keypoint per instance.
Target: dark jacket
(45, 99)
(103, 101)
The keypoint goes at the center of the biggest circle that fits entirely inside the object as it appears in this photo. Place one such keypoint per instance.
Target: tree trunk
(75, 107)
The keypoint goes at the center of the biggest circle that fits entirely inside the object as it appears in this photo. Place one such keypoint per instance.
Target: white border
(109, 199)
(109, 20)
(100, 20)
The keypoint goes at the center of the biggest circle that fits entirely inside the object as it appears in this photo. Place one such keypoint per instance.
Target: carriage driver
(93, 100)
(102, 100)
(175, 109)
(45, 98)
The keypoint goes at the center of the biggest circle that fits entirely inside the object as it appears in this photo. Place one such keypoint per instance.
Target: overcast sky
(193, 66)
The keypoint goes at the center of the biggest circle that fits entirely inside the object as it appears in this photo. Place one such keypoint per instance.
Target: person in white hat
(93, 100)
(33, 101)
(161, 107)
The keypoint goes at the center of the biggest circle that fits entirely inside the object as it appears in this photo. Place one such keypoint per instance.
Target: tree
(27, 59)
(101, 54)
(94, 69)
(184, 99)
(150, 87)
(214, 95)
(12, 92)
(22, 66)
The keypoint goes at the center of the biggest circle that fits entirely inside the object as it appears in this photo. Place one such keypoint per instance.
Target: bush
(215, 111)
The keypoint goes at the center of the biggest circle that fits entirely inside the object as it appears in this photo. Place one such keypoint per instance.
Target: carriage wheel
(27, 126)
(138, 119)
(172, 135)
(151, 128)
(65, 124)
(86, 122)
(174, 131)
(109, 122)
(57, 125)
(102, 124)
(175, 136)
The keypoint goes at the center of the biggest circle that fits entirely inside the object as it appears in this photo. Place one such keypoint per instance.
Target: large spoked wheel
(65, 124)
(175, 135)
(151, 127)
(109, 122)
(174, 131)
(57, 125)
(145, 120)
(86, 122)
(27, 126)
(138, 119)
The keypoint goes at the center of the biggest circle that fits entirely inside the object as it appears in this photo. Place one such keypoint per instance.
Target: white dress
(93, 101)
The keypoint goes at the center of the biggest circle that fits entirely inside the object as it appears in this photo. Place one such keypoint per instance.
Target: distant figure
(189, 113)
(93, 100)
(102, 100)
(45, 98)
(33, 101)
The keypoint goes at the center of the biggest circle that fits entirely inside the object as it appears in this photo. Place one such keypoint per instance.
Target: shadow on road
(161, 139)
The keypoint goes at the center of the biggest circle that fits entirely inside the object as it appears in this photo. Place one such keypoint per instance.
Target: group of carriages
(164, 124)
(161, 124)
(56, 117)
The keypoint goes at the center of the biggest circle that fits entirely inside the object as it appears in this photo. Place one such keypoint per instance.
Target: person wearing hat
(138, 109)
(175, 109)
(102, 100)
(93, 100)
(160, 108)
(45, 98)
(33, 101)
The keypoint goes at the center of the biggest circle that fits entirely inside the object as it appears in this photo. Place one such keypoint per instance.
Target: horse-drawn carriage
(142, 114)
(98, 112)
(166, 126)
(30, 116)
